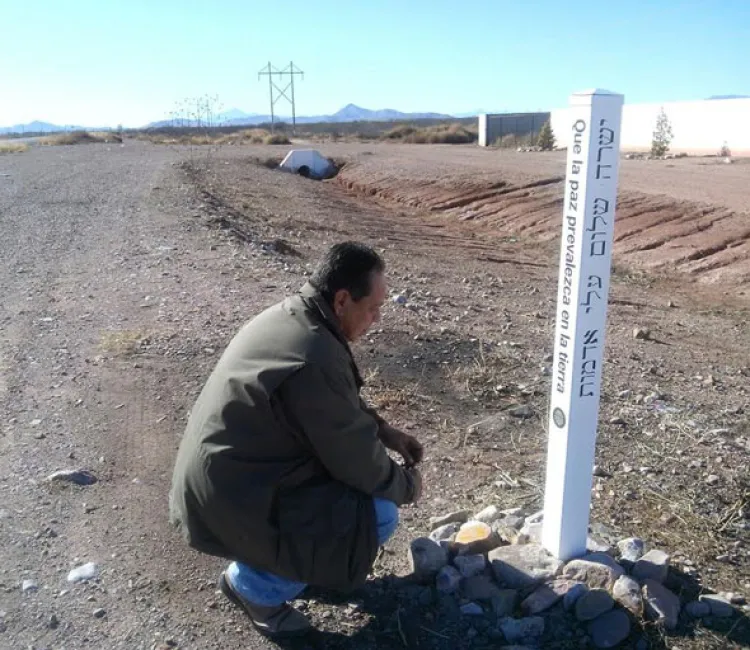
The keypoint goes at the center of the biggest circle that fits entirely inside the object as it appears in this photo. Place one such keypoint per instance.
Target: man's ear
(340, 299)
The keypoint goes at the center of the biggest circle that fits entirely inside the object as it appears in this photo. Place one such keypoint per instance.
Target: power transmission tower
(276, 93)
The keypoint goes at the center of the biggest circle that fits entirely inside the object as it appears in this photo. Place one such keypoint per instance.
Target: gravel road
(106, 295)
(121, 283)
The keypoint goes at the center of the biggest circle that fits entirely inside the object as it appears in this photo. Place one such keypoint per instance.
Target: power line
(276, 93)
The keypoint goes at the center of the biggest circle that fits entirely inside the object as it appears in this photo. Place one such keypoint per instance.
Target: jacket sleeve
(370, 411)
(342, 435)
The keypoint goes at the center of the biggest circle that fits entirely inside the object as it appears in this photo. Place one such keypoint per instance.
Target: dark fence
(507, 128)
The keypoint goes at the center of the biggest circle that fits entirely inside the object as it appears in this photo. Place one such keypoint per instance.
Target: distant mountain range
(236, 117)
(350, 113)
(45, 127)
(729, 97)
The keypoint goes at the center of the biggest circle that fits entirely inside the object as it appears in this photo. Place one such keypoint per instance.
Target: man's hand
(409, 447)
(416, 477)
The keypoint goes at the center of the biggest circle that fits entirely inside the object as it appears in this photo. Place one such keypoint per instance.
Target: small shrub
(75, 137)
(438, 134)
(546, 139)
(13, 147)
(399, 133)
(725, 152)
(513, 141)
(662, 136)
(276, 138)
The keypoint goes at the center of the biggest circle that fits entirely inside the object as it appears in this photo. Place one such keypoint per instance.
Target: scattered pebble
(472, 609)
(76, 476)
(29, 585)
(88, 571)
(642, 333)
(99, 612)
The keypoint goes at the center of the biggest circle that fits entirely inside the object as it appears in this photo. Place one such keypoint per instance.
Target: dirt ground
(123, 277)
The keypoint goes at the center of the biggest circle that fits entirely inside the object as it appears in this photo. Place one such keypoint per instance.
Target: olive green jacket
(281, 458)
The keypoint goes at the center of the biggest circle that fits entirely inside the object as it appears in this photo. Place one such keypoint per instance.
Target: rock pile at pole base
(492, 568)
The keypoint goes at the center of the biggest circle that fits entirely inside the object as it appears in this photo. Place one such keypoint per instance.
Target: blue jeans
(268, 590)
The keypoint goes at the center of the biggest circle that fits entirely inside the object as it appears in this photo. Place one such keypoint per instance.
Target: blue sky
(104, 63)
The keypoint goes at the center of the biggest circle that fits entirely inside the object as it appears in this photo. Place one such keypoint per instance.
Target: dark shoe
(277, 621)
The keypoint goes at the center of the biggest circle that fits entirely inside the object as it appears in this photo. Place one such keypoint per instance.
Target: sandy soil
(123, 277)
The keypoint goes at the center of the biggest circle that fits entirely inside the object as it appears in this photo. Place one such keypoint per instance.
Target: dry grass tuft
(438, 134)
(243, 137)
(80, 137)
(276, 138)
(13, 147)
(122, 343)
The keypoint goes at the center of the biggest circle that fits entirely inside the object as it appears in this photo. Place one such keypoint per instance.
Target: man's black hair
(348, 265)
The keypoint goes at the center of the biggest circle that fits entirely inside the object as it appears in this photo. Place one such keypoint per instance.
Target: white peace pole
(585, 255)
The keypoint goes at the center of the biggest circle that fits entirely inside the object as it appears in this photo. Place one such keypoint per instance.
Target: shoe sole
(232, 596)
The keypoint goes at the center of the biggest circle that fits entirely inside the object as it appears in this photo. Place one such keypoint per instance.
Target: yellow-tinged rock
(473, 531)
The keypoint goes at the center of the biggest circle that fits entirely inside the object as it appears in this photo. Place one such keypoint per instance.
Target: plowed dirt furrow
(652, 231)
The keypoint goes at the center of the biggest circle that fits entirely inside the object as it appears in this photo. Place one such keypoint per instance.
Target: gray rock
(29, 585)
(533, 530)
(535, 518)
(426, 558)
(592, 604)
(712, 479)
(479, 588)
(488, 515)
(523, 411)
(457, 517)
(523, 566)
(627, 592)
(594, 574)
(512, 521)
(720, 607)
(698, 609)
(539, 600)
(631, 549)
(642, 333)
(448, 580)
(661, 605)
(99, 612)
(527, 629)
(654, 565)
(88, 571)
(470, 565)
(504, 602)
(610, 629)
(399, 299)
(736, 599)
(444, 533)
(472, 609)
(76, 476)
(607, 560)
(594, 545)
(574, 593)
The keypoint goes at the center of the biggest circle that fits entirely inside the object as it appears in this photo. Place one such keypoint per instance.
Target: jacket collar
(311, 296)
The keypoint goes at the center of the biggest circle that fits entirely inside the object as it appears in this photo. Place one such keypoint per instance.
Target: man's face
(355, 318)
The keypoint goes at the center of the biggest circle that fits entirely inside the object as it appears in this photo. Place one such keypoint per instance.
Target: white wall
(699, 127)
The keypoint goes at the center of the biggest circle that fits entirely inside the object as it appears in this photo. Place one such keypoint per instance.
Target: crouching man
(283, 468)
